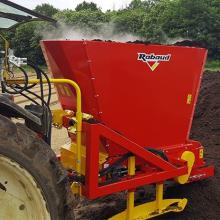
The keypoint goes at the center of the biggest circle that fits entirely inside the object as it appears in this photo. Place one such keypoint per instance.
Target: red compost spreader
(131, 125)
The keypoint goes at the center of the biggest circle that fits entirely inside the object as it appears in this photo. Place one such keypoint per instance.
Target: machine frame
(182, 163)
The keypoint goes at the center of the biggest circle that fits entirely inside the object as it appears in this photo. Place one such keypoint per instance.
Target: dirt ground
(203, 196)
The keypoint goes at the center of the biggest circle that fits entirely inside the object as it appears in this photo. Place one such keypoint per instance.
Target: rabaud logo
(153, 60)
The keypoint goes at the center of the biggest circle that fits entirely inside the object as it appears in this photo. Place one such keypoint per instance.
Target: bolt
(22, 207)
(2, 187)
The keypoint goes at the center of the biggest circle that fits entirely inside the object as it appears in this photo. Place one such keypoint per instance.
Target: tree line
(156, 21)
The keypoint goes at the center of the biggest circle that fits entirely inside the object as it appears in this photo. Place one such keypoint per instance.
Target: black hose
(40, 72)
(49, 121)
(18, 89)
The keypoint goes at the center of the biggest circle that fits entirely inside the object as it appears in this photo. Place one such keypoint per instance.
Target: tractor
(127, 108)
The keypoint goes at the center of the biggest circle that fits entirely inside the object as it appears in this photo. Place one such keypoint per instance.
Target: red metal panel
(201, 173)
(92, 190)
(67, 59)
(166, 171)
(143, 95)
(132, 147)
(151, 108)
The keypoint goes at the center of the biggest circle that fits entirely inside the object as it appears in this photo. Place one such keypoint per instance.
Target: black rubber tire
(22, 145)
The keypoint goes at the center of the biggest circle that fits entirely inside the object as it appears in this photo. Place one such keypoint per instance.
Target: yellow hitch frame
(78, 114)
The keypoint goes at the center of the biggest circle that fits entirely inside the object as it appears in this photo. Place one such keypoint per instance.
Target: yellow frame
(78, 113)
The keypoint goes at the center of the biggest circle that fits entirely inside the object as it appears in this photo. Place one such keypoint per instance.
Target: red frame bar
(93, 190)
(201, 173)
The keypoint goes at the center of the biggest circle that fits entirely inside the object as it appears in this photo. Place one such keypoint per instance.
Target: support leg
(159, 196)
(151, 209)
(160, 206)
(130, 196)
(130, 205)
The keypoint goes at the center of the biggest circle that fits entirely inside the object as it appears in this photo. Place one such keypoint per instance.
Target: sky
(71, 4)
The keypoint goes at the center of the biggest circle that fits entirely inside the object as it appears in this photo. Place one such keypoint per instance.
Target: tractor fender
(9, 109)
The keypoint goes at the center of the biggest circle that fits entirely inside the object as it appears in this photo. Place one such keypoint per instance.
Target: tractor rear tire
(33, 184)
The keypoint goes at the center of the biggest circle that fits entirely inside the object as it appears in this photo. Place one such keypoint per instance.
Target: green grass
(213, 65)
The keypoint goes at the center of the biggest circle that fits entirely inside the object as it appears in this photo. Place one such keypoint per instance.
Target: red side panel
(149, 100)
(70, 61)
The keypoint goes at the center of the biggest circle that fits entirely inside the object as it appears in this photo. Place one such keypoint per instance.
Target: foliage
(46, 9)
(213, 65)
(152, 28)
(26, 43)
(158, 21)
(139, 4)
(197, 20)
(128, 21)
(87, 5)
(83, 18)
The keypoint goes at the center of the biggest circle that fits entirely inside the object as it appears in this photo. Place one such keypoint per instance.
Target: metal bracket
(152, 209)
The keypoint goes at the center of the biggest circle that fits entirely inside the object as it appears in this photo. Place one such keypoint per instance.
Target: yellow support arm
(130, 196)
(78, 113)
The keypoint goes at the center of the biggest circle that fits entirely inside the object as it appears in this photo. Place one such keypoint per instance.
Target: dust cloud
(105, 31)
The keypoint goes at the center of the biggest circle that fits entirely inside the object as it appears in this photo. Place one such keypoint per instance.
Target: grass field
(213, 65)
